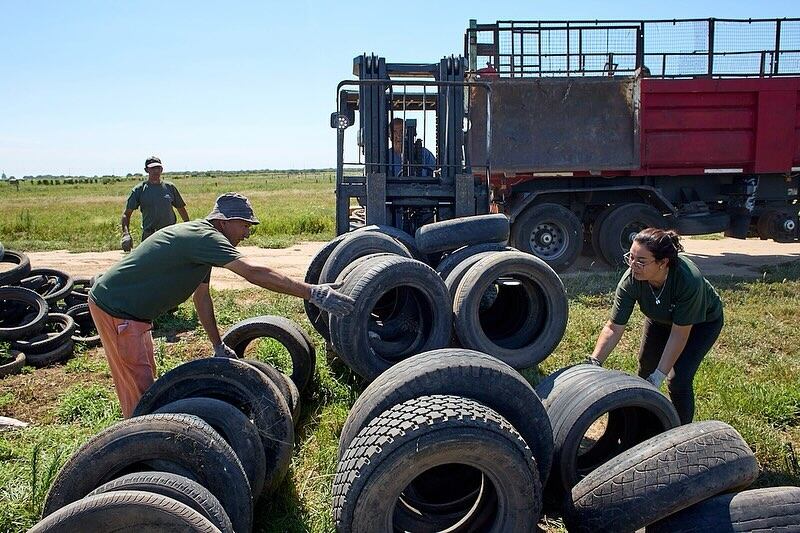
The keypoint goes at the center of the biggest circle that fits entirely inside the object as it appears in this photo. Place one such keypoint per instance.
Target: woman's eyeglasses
(639, 263)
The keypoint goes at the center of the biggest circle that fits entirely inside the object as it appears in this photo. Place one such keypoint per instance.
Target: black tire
(181, 440)
(551, 232)
(702, 224)
(404, 238)
(453, 234)
(179, 488)
(85, 330)
(424, 433)
(315, 316)
(450, 261)
(56, 355)
(596, 225)
(457, 273)
(669, 472)
(13, 275)
(80, 291)
(284, 383)
(621, 225)
(129, 512)
(768, 509)
(358, 244)
(22, 313)
(636, 411)
(350, 337)
(233, 426)
(526, 320)
(304, 358)
(458, 372)
(58, 284)
(240, 384)
(58, 329)
(14, 366)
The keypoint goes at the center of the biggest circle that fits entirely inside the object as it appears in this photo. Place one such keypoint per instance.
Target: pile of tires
(207, 439)
(43, 312)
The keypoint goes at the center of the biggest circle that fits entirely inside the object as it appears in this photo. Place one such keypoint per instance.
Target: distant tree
(4, 178)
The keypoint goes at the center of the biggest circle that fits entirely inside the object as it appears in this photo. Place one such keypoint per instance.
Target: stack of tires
(43, 312)
(206, 441)
(480, 295)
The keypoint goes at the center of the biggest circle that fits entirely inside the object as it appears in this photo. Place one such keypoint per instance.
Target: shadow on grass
(170, 324)
(283, 512)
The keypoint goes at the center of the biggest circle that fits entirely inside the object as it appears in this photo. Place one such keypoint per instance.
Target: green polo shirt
(163, 271)
(687, 297)
(156, 201)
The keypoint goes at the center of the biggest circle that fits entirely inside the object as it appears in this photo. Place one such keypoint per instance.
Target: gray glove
(223, 350)
(656, 378)
(327, 298)
(126, 243)
(591, 360)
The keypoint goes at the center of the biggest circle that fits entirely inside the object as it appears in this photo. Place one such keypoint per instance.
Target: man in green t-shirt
(167, 268)
(155, 198)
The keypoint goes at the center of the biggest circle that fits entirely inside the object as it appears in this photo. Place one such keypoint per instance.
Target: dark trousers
(681, 391)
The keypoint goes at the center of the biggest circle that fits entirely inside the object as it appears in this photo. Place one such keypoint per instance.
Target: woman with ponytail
(683, 315)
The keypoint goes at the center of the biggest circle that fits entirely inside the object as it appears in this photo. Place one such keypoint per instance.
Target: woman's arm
(676, 342)
(607, 340)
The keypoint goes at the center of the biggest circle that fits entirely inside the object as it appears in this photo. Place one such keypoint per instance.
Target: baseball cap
(153, 161)
(232, 206)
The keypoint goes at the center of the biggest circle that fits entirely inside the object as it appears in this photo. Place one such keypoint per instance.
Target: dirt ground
(725, 257)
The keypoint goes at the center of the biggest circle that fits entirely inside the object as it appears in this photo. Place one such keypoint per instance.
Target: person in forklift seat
(422, 160)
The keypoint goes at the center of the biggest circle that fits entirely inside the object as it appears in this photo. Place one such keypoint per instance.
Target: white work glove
(126, 243)
(591, 360)
(223, 350)
(656, 378)
(327, 298)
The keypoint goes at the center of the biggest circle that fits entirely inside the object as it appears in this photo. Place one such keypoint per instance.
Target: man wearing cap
(156, 199)
(171, 265)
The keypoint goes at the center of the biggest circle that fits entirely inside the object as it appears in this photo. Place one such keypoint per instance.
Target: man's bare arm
(268, 278)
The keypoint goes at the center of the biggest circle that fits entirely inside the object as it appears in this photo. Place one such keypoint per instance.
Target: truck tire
(452, 259)
(358, 244)
(81, 286)
(551, 232)
(597, 223)
(621, 225)
(22, 313)
(283, 382)
(58, 329)
(85, 330)
(233, 426)
(367, 286)
(13, 366)
(404, 238)
(312, 277)
(56, 286)
(457, 273)
(12, 275)
(287, 333)
(408, 440)
(60, 353)
(183, 440)
(241, 385)
(179, 488)
(702, 224)
(525, 321)
(125, 511)
(636, 411)
(458, 372)
(669, 472)
(766, 509)
(453, 234)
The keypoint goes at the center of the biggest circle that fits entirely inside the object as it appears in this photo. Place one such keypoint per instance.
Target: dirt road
(715, 258)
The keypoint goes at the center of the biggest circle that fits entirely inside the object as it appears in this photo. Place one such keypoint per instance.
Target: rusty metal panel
(557, 124)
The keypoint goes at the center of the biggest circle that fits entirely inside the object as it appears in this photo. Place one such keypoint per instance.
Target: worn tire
(659, 477)
(404, 238)
(85, 330)
(768, 509)
(33, 322)
(458, 372)
(15, 274)
(304, 358)
(183, 440)
(427, 432)
(58, 329)
(453, 234)
(56, 355)
(240, 384)
(58, 283)
(597, 223)
(179, 488)
(81, 285)
(358, 244)
(583, 394)
(233, 426)
(621, 225)
(14, 366)
(350, 337)
(702, 224)
(551, 232)
(315, 316)
(451, 260)
(283, 382)
(533, 306)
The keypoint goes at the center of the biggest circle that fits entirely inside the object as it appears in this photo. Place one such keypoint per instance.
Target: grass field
(749, 380)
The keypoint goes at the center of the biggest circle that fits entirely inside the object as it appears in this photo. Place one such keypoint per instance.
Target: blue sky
(95, 87)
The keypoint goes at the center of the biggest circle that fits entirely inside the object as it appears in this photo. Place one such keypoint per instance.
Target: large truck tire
(407, 441)
(242, 385)
(179, 488)
(58, 329)
(526, 317)
(14, 274)
(233, 426)
(621, 226)
(358, 244)
(551, 232)
(769, 509)
(597, 223)
(454, 258)
(184, 441)
(22, 313)
(452, 234)
(659, 477)
(458, 372)
(702, 224)
(287, 387)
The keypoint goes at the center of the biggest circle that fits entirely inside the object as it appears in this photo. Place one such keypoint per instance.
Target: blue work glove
(656, 378)
(591, 360)
(223, 350)
(327, 298)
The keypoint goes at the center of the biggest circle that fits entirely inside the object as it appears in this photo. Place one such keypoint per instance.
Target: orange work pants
(129, 350)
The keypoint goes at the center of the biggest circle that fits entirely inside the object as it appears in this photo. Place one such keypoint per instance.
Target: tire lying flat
(452, 234)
